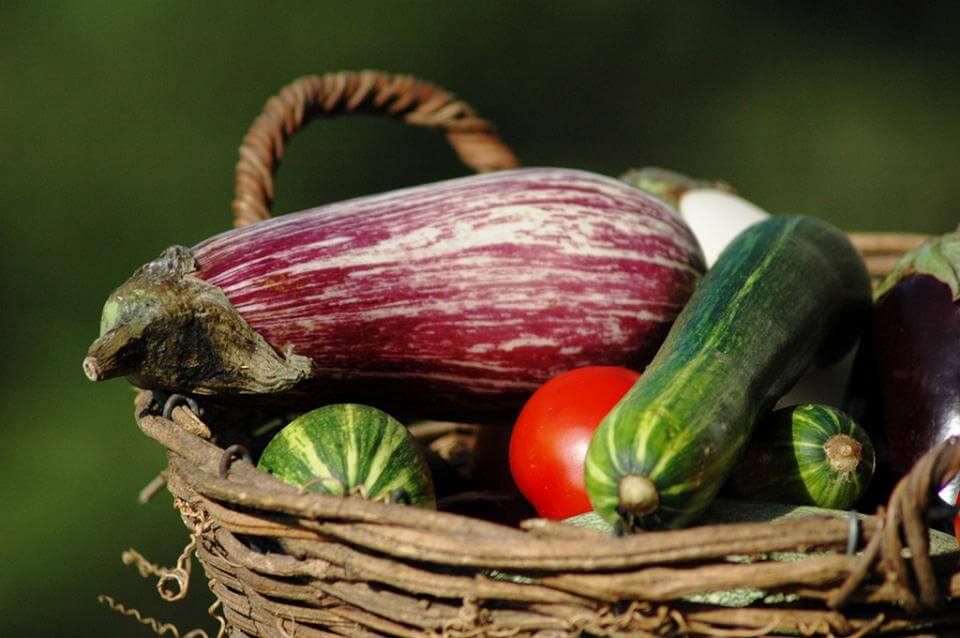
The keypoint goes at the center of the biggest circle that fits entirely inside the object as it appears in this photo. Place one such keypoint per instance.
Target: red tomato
(552, 433)
(956, 521)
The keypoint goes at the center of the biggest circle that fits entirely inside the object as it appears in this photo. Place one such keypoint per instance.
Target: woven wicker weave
(284, 563)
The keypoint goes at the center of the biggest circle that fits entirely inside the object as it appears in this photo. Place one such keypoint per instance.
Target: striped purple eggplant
(451, 300)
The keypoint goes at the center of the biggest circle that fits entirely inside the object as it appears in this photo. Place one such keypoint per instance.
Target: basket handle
(415, 101)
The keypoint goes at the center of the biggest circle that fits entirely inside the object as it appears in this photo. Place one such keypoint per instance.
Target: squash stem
(843, 452)
(638, 494)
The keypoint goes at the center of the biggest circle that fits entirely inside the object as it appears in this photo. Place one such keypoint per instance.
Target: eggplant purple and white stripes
(457, 299)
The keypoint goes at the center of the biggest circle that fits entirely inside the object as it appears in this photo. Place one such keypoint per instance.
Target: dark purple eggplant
(913, 344)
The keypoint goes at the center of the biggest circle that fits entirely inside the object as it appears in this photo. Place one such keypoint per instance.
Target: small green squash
(805, 455)
(349, 448)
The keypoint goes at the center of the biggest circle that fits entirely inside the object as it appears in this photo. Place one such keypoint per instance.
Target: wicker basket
(283, 563)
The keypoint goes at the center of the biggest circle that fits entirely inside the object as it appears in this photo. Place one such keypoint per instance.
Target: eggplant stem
(91, 368)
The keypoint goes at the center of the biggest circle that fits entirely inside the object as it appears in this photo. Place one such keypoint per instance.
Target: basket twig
(904, 519)
(882, 251)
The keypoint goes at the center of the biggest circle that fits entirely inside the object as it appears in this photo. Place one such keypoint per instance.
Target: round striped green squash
(806, 455)
(351, 449)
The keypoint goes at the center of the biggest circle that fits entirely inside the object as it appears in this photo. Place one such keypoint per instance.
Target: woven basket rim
(243, 484)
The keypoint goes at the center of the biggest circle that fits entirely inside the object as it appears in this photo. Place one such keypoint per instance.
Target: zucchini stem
(843, 452)
(638, 494)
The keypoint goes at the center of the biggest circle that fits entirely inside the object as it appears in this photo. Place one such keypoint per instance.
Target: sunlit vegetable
(550, 438)
(453, 300)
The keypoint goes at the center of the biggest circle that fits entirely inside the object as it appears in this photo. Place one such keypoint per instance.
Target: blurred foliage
(118, 136)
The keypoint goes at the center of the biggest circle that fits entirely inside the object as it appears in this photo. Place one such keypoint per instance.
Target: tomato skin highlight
(551, 435)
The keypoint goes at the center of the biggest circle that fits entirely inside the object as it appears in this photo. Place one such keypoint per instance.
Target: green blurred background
(118, 136)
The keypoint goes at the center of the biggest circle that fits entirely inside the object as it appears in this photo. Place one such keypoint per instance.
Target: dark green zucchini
(805, 455)
(350, 449)
(783, 292)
